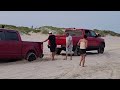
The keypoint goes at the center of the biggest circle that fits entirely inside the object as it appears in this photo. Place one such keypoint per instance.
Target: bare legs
(71, 56)
(53, 55)
(82, 60)
(67, 56)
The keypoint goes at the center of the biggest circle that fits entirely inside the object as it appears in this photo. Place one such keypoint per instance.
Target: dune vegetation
(55, 30)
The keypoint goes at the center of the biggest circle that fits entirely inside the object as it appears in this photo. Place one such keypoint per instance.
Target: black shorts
(52, 48)
(82, 51)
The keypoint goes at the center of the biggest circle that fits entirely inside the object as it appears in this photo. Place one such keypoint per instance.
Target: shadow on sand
(38, 60)
(88, 53)
(8, 61)
(20, 61)
(91, 53)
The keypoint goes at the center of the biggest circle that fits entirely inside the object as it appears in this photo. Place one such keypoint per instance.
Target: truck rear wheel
(31, 56)
(77, 51)
(41, 56)
(58, 51)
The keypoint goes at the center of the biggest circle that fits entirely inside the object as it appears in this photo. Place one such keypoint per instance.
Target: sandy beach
(97, 66)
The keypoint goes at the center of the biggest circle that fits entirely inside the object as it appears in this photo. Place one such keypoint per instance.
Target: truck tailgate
(37, 46)
(60, 39)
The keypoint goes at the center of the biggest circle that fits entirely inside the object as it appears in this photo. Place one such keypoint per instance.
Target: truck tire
(58, 51)
(101, 49)
(77, 51)
(31, 56)
(41, 56)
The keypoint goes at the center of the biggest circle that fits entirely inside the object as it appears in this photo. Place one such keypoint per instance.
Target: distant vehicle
(95, 42)
(12, 47)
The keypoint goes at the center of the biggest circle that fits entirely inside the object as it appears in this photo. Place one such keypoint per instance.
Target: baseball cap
(50, 32)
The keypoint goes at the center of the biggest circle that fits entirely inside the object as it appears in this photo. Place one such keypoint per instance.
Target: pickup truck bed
(12, 47)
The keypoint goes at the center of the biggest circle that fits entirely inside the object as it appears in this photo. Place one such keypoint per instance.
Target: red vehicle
(12, 47)
(95, 42)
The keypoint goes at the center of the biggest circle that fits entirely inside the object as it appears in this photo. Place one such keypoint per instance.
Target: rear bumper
(59, 46)
(62, 47)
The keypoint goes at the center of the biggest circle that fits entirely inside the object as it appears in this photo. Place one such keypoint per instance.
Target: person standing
(52, 41)
(69, 46)
(83, 45)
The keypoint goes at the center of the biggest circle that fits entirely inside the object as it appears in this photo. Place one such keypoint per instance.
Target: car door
(87, 33)
(90, 38)
(3, 45)
(94, 39)
(13, 49)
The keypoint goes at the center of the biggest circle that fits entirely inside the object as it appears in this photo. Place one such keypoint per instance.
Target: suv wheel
(77, 51)
(101, 49)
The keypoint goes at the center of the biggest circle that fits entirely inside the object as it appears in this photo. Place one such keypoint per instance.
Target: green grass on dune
(55, 30)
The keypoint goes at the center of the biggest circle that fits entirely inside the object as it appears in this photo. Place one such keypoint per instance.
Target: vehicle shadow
(8, 61)
(87, 53)
(91, 53)
(19, 61)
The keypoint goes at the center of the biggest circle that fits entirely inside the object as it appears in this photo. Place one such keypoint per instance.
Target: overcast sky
(105, 20)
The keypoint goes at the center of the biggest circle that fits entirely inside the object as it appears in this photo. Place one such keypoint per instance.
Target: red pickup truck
(12, 47)
(95, 42)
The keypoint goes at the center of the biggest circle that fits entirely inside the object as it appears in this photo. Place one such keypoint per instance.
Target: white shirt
(69, 41)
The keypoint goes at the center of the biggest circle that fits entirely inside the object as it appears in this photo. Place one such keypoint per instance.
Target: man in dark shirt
(52, 41)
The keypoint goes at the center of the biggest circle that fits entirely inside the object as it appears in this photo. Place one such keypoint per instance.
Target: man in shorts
(52, 41)
(69, 46)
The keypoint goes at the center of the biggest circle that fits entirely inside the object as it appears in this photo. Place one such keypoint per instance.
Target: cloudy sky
(105, 20)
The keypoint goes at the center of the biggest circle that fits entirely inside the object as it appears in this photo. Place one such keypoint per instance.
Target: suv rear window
(11, 36)
(74, 33)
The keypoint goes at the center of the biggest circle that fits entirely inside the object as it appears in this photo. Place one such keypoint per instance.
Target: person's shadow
(9, 60)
